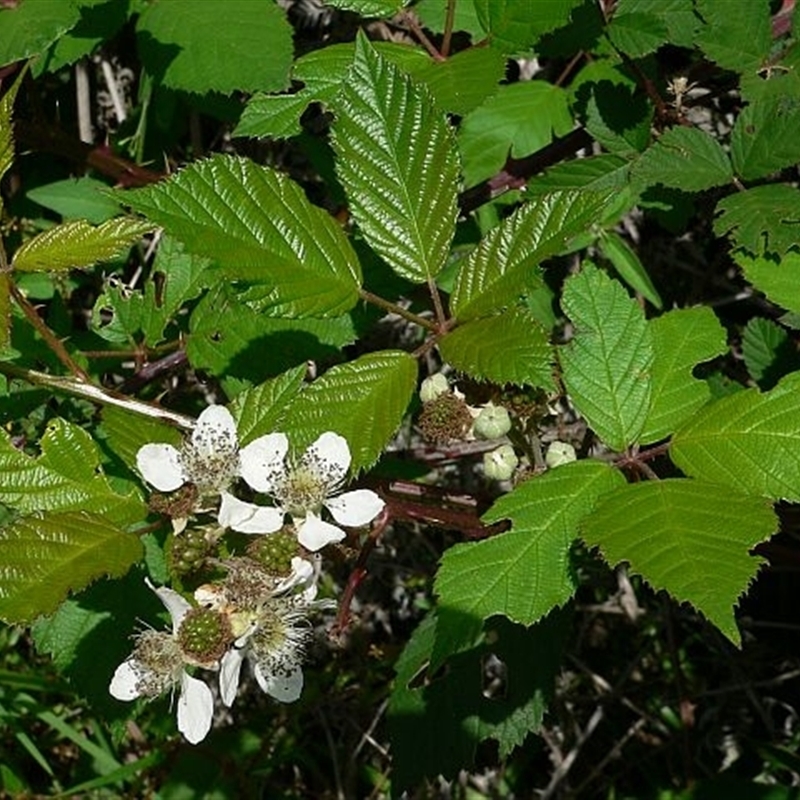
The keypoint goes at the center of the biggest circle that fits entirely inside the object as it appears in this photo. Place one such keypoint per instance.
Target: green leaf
(607, 364)
(76, 198)
(388, 136)
(520, 118)
(509, 348)
(435, 728)
(5, 311)
(260, 409)
(738, 36)
(228, 338)
(684, 158)
(125, 432)
(65, 477)
(48, 555)
(7, 125)
(515, 25)
(369, 8)
(77, 244)
(593, 174)
(363, 400)
(504, 264)
(433, 14)
(676, 15)
(749, 441)
(768, 352)
(764, 137)
(29, 28)
(194, 47)
(682, 338)
(779, 280)
(628, 266)
(619, 117)
(677, 533)
(259, 226)
(762, 220)
(637, 33)
(525, 573)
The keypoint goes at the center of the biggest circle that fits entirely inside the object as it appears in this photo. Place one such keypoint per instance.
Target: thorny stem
(53, 342)
(448, 27)
(97, 394)
(394, 308)
(416, 28)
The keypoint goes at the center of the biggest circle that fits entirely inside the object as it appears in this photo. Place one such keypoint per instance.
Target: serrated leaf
(504, 264)
(363, 400)
(515, 25)
(7, 126)
(65, 477)
(765, 219)
(369, 8)
(5, 311)
(76, 198)
(684, 158)
(125, 432)
(520, 118)
(28, 28)
(274, 116)
(229, 338)
(191, 46)
(433, 15)
(593, 174)
(48, 555)
(260, 409)
(509, 348)
(738, 36)
(637, 33)
(619, 117)
(682, 338)
(779, 279)
(435, 728)
(749, 441)
(398, 164)
(628, 266)
(764, 137)
(77, 244)
(676, 15)
(768, 352)
(260, 227)
(524, 573)
(676, 533)
(607, 364)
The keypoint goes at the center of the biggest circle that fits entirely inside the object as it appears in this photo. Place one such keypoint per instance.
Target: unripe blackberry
(445, 419)
(205, 635)
(188, 551)
(274, 551)
(178, 505)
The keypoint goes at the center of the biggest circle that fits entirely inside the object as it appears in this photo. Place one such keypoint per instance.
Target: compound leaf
(398, 164)
(607, 364)
(523, 573)
(260, 227)
(505, 262)
(363, 400)
(749, 441)
(47, 555)
(77, 244)
(509, 348)
(682, 338)
(676, 533)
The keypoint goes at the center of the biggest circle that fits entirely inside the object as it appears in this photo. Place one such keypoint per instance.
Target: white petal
(302, 572)
(177, 605)
(215, 431)
(195, 709)
(285, 687)
(229, 668)
(248, 517)
(355, 508)
(160, 466)
(126, 679)
(328, 457)
(314, 533)
(261, 461)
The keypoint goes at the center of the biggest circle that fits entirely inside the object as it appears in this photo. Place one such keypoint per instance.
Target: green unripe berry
(274, 551)
(204, 635)
(445, 419)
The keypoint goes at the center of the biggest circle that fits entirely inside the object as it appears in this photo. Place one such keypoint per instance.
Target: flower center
(301, 491)
(158, 662)
(204, 635)
(281, 635)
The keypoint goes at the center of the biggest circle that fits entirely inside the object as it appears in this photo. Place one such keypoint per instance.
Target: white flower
(158, 664)
(299, 490)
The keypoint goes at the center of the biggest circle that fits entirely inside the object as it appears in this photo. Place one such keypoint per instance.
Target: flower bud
(559, 453)
(492, 422)
(432, 387)
(499, 465)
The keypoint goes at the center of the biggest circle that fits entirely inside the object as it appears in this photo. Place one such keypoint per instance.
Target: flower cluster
(260, 610)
